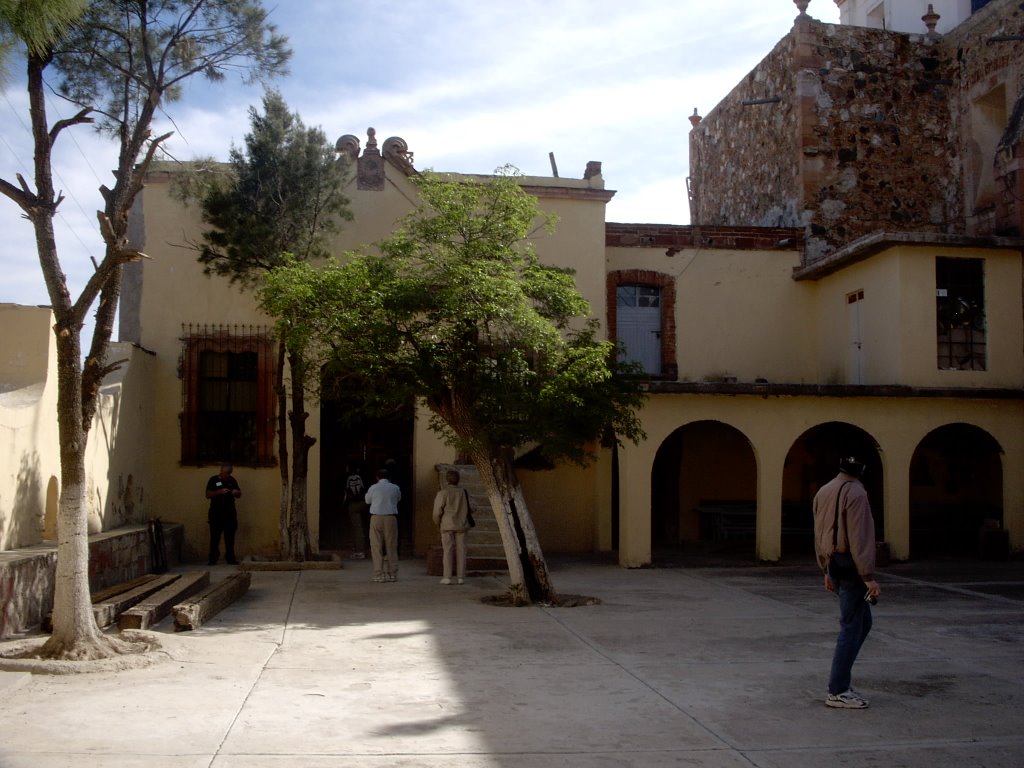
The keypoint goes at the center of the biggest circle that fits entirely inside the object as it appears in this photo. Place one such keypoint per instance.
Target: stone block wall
(743, 155)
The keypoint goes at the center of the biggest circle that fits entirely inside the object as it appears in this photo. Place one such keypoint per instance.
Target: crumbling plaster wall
(861, 139)
(989, 54)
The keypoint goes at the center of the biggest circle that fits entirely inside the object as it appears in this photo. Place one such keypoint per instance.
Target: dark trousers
(854, 626)
(222, 525)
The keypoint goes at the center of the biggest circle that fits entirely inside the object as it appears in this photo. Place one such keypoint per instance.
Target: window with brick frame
(647, 287)
(227, 386)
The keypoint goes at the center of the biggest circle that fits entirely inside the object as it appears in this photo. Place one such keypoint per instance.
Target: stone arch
(704, 491)
(812, 461)
(956, 490)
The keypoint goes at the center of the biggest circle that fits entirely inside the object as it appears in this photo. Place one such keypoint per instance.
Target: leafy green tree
(123, 61)
(281, 193)
(457, 311)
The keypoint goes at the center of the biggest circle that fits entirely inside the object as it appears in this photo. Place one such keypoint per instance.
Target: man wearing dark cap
(844, 541)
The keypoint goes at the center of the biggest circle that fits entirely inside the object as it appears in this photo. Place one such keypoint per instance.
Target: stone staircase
(484, 552)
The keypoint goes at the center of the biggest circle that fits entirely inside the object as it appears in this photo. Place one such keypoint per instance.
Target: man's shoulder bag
(841, 565)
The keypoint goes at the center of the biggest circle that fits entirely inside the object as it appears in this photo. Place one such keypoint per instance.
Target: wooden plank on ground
(197, 610)
(125, 586)
(103, 595)
(107, 612)
(154, 608)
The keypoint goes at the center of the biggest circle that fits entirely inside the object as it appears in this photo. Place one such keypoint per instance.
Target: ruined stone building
(872, 131)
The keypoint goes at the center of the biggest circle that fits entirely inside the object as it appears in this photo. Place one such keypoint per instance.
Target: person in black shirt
(222, 490)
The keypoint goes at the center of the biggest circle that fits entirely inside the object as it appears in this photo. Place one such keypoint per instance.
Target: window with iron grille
(227, 387)
(960, 314)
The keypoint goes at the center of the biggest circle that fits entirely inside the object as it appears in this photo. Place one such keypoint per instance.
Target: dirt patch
(142, 649)
(325, 562)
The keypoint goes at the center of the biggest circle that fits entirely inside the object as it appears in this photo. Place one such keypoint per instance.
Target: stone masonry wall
(743, 159)
(861, 139)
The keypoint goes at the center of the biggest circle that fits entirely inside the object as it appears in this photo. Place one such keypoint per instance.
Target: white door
(638, 325)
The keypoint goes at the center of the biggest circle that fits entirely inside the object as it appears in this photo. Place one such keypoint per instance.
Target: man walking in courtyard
(844, 541)
(383, 497)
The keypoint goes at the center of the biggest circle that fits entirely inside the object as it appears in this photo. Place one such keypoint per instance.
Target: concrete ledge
(27, 575)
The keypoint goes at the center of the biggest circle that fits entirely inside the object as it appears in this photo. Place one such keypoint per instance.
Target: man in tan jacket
(844, 541)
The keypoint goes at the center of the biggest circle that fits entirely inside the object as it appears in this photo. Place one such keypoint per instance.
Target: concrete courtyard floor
(717, 666)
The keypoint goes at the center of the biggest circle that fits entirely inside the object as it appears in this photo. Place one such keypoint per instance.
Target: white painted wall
(902, 15)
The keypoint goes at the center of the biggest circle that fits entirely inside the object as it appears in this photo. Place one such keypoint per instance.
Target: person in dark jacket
(222, 490)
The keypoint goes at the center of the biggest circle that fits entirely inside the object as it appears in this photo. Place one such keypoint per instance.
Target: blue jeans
(854, 625)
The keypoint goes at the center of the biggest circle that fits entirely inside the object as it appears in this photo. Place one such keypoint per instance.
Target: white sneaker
(849, 700)
(446, 581)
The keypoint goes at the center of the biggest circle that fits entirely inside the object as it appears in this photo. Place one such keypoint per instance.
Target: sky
(469, 85)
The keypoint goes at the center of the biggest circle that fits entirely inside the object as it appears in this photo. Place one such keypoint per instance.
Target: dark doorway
(812, 461)
(350, 439)
(703, 493)
(956, 492)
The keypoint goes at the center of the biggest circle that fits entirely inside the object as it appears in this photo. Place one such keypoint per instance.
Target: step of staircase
(484, 550)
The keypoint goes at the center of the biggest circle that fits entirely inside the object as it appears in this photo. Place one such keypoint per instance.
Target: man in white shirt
(383, 497)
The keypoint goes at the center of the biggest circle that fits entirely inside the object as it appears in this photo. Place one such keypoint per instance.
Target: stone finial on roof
(371, 140)
(695, 118)
(593, 169)
(397, 151)
(802, 7)
(930, 19)
(348, 146)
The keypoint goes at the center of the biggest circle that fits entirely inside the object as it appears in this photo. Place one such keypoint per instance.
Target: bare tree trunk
(528, 571)
(75, 634)
(298, 514)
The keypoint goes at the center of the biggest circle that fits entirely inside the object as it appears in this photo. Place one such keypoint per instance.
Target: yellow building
(827, 302)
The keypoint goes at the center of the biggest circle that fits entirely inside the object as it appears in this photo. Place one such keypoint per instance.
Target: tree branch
(25, 199)
(60, 125)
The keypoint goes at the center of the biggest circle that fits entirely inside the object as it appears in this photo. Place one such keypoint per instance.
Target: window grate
(227, 389)
(960, 314)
